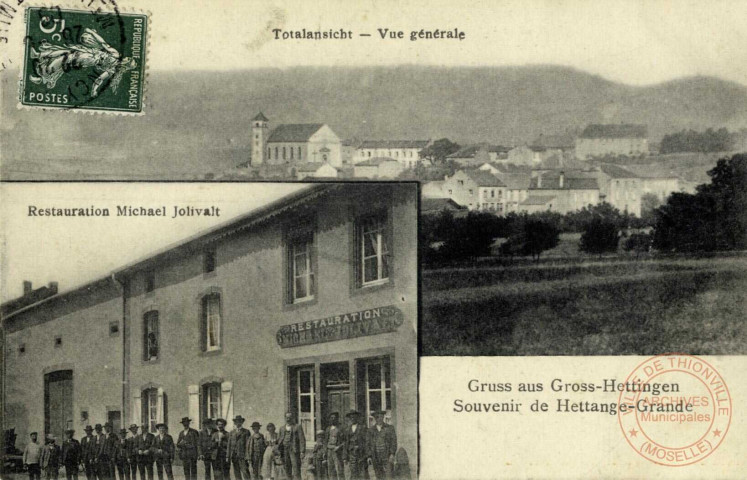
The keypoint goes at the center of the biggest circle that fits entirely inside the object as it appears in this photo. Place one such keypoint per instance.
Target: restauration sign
(339, 327)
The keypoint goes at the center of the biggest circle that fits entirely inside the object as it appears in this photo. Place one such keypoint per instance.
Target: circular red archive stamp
(675, 409)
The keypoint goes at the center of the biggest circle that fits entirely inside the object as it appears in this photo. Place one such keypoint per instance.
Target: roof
(515, 181)
(430, 205)
(552, 182)
(375, 162)
(537, 200)
(616, 172)
(483, 178)
(260, 118)
(469, 151)
(294, 132)
(394, 144)
(622, 130)
(310, 167)
(561, 141)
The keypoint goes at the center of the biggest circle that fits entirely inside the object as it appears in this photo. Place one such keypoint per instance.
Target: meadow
(617, 306)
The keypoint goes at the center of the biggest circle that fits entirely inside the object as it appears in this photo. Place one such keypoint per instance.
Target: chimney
(27, 288)
(53, 286)
(561, 180)
(539, 179)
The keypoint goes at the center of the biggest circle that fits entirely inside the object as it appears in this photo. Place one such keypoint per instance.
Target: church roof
(294, 132)
(260, 118)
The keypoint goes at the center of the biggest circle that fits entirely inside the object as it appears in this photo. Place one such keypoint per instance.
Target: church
(294, 143)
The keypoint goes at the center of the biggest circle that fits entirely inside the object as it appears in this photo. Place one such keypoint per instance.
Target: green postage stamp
(85, 60)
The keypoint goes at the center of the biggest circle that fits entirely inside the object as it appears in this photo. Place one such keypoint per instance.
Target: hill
(198, 122)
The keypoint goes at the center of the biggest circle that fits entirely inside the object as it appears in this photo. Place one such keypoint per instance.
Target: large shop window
(301, 273)
(372, 241)
(211, 401)
(154, 407)
(375, 388)
(150, 336)
(211, 322)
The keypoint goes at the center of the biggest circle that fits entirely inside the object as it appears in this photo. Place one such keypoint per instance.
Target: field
(606, 307)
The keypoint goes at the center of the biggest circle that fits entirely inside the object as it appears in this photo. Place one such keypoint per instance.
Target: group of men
(104, 455)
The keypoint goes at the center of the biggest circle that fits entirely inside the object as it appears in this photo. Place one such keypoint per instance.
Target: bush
(638, 243)
(600, 236)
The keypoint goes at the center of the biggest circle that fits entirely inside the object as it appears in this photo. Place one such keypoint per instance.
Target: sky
(76, 250)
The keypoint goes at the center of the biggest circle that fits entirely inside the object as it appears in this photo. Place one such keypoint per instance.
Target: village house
(620, 187)
(558, 192)
(406, 152)
(307, 305)
(294, 143)
(477, 154)
(433, 189)
(378, 167)
(612, 140)
(531, 155)
(315, 170)
(476, 190)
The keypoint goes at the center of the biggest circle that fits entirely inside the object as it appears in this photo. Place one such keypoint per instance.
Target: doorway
(58, 402)
(335, 386)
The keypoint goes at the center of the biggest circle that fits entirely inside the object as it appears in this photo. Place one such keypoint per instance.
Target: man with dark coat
(292, 443)
(236, 455)
(163, 448)
(255, 450)
(107, 457)
(50, 459)
(143, 446)
(356, 450)
(120, 459)
(205, 446)
(88, 453)
(221, 467)
(100, 469)
(71, 455)
(187, 446)
(382, 445)
(334, 441)
(131, 454)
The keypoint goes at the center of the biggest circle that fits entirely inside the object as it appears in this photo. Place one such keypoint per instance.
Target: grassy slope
(692, 306)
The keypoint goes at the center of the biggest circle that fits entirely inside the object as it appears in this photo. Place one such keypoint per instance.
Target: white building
(294, 143)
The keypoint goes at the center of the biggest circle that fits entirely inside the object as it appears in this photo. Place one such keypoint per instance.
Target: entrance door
(335, 384)
(58, 403)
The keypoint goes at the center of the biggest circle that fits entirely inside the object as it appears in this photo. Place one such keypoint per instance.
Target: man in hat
(143, 448)
(32, 457)
(205, 446)
(334, 441)
(100, 469)
(131, 453)
(88, 453)
(163, 447)
(70, 455)
(255, 449)
(120, 455)
(50, 459)
(382, 445)
(186, 445)
(236, 454)
(221, 467)
(108, 453)
(356, 451)
(293, 445)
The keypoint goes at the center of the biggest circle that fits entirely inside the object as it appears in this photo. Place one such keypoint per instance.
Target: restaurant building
(307, 305)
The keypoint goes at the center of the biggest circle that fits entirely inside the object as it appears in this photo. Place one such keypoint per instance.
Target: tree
(649, 203)
(638, 243)
(531, 236)
(439, 150)
(600, 236)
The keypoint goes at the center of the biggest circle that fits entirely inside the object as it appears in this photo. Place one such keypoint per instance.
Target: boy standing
(255, 449)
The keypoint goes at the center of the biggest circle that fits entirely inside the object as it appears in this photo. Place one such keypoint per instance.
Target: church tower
(259, 138)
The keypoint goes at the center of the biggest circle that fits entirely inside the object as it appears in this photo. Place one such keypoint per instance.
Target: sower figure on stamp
(163, 447)
(143, 446)
(293, 446)
(334, 441)
(356, 450)
(221, 467)
(71, 455)
(205, 446)
(382, 445)
(186, 445)
(120, 459)
(131, 453)
(88, 453)
(255, 450)
(50, 459)
(32, 457)
(237, 449)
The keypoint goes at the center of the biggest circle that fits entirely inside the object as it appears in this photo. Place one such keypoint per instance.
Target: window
(305, 400)
(291, 152)
(211, 322)
(378, 383)
(461, 182)
(301, 271)
(208, 261)
(269, 153)
(492, 194)
(470, 191)
(283, 153)
(256, 135)
(211, 404)
(114, 329)
(150, 336)
(369, 153)
(58, 341)
(151, 407)
(276, 153)
(22, 349)
(299, 153)
(150, 282)
(374, 251)
(449, 191)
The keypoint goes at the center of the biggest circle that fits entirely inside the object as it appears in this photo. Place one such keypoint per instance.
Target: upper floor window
(150, 335)
(299, 153)
(374, 249)
(301, 266)
(269, 153)
(208, 261)
(211, 322)
(150, 281)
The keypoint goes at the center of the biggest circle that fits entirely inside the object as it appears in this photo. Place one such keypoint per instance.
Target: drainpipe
(125, 351)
